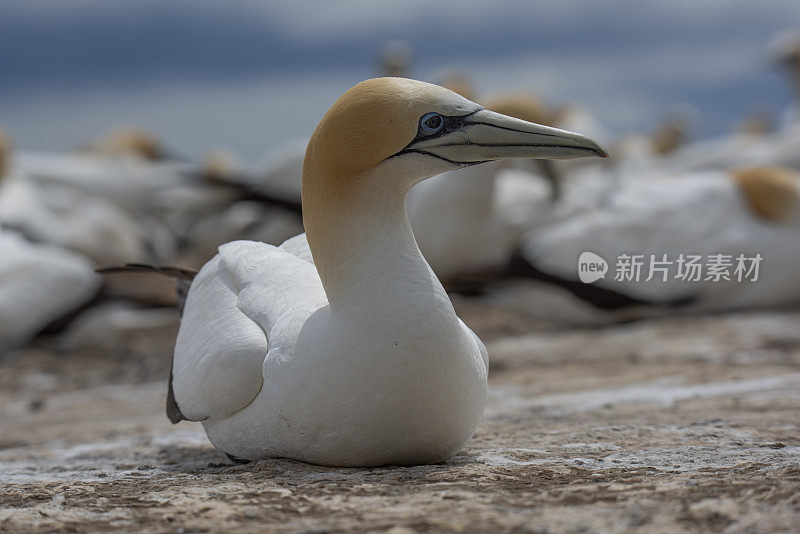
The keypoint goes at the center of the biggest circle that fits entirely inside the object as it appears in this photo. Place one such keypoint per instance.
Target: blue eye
(430, 123)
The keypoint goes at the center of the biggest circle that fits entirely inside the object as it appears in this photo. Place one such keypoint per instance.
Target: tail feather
(174, 413)
(175, 272)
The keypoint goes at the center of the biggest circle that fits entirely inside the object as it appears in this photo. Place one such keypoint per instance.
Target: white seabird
(358, 358)
(39, 283)
(749, 212)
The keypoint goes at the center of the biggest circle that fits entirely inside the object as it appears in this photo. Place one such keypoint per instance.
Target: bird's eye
(430, 123)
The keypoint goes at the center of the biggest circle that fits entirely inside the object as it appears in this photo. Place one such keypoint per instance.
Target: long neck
(364, 250)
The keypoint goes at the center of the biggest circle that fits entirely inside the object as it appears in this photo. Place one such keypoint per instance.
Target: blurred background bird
(109, 157)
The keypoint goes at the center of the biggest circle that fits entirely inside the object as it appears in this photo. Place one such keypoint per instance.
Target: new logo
(591, 267)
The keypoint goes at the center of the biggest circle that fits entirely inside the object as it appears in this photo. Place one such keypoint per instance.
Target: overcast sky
(248, 74)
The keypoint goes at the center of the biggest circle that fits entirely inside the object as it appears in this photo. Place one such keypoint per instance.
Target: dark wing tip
(175, 272)
(174, 413)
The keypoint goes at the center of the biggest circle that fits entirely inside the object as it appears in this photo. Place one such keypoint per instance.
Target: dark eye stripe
(451, 122)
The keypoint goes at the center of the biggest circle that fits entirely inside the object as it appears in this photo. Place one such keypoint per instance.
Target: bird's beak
(487, 136)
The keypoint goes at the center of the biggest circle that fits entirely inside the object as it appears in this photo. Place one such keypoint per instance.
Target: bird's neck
(364, 250)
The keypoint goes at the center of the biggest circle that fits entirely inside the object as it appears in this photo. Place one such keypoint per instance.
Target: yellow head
(670, 135)
(772, 193)
(395, 58)
(419, 130)
(756, 123)
(130, 141)
(220, 164)
(386, 134)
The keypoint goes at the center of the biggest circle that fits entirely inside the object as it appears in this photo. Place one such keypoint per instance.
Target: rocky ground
(682, 424)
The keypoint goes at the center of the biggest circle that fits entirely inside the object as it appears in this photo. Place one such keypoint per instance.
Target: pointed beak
(487, 136)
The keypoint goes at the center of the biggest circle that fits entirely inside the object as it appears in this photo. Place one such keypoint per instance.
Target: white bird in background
(71, 219)
(748, 212)
(120, 204)
(737, 150)
(39, 283)
(245, 219)
(259, 202)
(102, 201)
(357, 358)
(129, 142)
(78, 202)
(458, 226)
(395, 59)
(104, 207)
(276, 175)
(127, 180)
(280, 171)
(757, 146)
(784, 48)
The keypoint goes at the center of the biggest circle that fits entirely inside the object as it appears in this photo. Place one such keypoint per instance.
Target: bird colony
(314, 284)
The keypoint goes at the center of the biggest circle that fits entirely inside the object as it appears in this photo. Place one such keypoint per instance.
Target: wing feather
(219, 351)
(229, 325)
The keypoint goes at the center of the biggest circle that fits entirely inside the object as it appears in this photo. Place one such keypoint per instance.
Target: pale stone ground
(664, 425)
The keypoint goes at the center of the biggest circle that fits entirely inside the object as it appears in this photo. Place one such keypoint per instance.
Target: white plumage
(38, 284)
(325, 388)
(72, 218)
(356, 357)
(703, 213)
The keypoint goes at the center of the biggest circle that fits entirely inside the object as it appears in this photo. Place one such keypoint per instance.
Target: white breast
(261, 358)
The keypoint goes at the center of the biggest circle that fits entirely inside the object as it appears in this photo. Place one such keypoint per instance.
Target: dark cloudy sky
(247, 74)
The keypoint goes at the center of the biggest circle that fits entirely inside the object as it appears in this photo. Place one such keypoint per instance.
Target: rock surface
(686, 424)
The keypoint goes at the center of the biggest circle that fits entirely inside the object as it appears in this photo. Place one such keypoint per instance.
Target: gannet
(71, 219)
(38, 283)
(119, 209)
(101, 208)
(245, 219)
(754, 146)
(350, 352)
(672, 133)
(5, 154)
(784, 47)
(130, 183)
(276, 175)
(129, 142)
(62, 213)
(758, 121)
(747, 211)
(395, 58)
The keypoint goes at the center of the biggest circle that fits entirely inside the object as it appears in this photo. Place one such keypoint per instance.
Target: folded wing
(228, 325)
